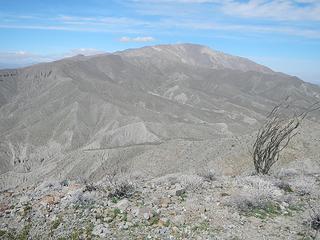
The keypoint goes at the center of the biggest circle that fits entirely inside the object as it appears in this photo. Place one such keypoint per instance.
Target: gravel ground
(176, 206)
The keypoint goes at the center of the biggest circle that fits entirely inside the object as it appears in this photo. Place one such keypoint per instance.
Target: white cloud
(24, 58)
(73, 28)
(180, 1)
(123, 25)
(274, 9)
(83, 51)
(250, 28)
(306, 1)
(285, 17)
(99, 21)
(137, 39)
(291, 10)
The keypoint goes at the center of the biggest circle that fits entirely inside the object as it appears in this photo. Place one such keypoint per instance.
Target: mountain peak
(195, 55)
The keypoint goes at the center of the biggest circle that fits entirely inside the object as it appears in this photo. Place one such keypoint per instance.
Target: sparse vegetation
(183, 197)
(116, 212)
(56, 223)
(207, 174)
(154, 218)
(121, 190)
(2, 232)
(90, 187)
(64, 183)
(76, 234)
(119, 186)
(275, 134)
(114, 199)
(269, 209)
(255, 193)
(24, 233)
(285, 186)
(314, 220)
(202, 226)
(88, 230)
(26, 210)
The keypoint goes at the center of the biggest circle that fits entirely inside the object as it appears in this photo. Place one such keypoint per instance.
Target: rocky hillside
(159, 110)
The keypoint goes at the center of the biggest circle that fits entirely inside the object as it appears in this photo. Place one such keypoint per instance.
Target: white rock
(101, 230)
(123, 204)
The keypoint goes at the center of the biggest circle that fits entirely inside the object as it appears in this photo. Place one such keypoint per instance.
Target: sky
(281, 34)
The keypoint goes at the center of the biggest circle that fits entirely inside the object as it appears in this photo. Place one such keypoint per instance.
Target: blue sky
(281, 34)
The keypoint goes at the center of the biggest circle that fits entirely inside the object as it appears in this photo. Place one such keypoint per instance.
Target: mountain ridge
(142, 98)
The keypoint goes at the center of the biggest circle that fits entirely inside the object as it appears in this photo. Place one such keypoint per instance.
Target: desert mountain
(158, 109)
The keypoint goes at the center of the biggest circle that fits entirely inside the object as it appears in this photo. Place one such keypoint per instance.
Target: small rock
(163, 222)
(178, 220)
(124, 226)
(146, 216)
(163, 230)
(50, 200)
(142, 213)
(164, 202)
(135, 211)
(203, 216)
(129, 218)
(8, 194)
(24, 200)
(224, 194)
(3, 226)
(101, 230)
(175, 230)
(3, 207)
(108, 219)
(123, 204)
(73, 187)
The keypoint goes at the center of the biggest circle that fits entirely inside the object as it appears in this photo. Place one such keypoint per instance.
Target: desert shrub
(64, 183)
(24, 233)
(284, 186)
(119, 186)
(81, 197)
(190, 182)
(88, 197)
(208, 175)
(275, 135)
(90, 187)
(254, 192)
(154, 219)
(314, 221)
(121, 189)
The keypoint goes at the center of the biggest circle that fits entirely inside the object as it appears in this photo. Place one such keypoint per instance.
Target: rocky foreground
(207, 205)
